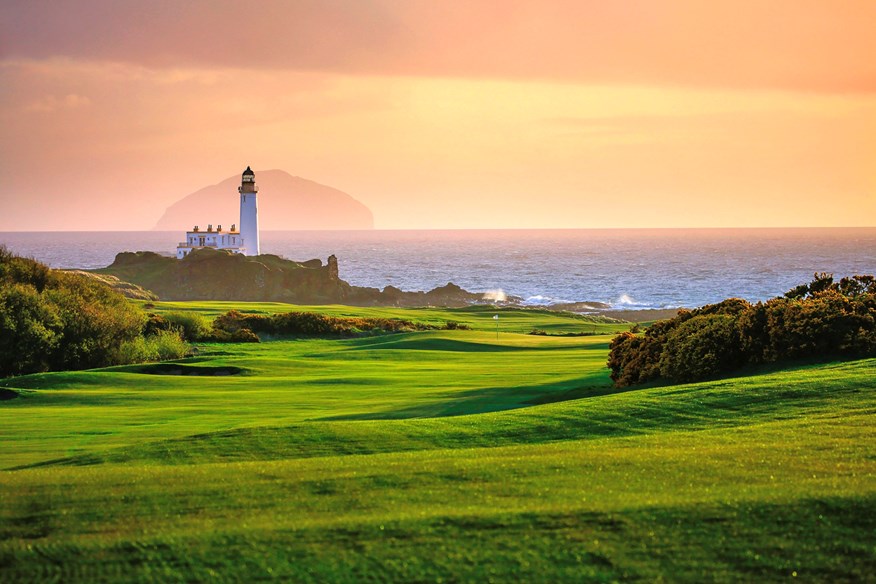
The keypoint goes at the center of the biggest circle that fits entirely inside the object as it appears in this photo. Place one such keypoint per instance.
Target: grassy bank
(435, 456)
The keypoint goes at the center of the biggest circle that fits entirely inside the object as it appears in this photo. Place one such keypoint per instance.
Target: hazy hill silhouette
(285, 202)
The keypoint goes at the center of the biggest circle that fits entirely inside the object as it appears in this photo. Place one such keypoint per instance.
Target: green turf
(435, 456)
(516, 320)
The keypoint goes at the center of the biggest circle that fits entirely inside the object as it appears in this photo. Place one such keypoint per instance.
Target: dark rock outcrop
(209, 274)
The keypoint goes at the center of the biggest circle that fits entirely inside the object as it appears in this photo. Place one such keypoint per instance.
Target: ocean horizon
(623, 267)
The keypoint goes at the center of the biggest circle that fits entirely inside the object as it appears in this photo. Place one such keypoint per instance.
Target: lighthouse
(245, 241)
(249, 212)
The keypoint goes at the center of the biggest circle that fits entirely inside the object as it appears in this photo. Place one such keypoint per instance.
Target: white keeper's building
(245, 241)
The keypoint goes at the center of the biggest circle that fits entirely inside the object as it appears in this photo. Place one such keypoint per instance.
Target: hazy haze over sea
(628, 268)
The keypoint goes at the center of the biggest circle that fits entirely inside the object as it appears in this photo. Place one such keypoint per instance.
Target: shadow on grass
(493, 399)
(416, 343)
(7, 394)
(182, 369)
(439, 344)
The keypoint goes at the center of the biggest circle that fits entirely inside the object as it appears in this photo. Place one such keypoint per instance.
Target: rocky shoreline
(209, 274)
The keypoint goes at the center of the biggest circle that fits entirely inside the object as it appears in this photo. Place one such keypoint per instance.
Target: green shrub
(30, 330)
(51, 320)
(137, 350)
(314, 324)
(162, 346)
(18, 270)
(55, 320)
(96, 319)
(168, 345)
(192, 325)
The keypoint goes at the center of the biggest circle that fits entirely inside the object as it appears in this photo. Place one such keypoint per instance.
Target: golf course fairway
(479, 455)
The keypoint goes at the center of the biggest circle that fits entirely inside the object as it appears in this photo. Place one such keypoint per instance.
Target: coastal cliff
(208, 274)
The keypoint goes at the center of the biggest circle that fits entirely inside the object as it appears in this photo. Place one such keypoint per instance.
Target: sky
(445, 113)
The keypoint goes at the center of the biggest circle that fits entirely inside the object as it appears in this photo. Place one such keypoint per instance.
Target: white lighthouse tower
(249, 212)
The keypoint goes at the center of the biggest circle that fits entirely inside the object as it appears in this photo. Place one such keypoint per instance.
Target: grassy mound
(811, 392)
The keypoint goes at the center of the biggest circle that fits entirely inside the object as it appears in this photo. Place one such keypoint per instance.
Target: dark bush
(155, 323)
(754, 338)
(731, 306)
(314, 324)
(824, 324)
(701, 347)
(244, 336)
(821, 319)
(232, 321)
(634, 359)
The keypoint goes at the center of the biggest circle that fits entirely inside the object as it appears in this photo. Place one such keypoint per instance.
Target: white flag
(495, 317)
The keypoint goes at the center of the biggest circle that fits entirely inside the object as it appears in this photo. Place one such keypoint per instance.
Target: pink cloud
(808, 46)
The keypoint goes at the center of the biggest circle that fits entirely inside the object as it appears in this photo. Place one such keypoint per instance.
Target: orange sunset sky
(445, 114)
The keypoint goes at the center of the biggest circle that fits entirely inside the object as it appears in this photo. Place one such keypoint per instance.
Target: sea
(625, 268)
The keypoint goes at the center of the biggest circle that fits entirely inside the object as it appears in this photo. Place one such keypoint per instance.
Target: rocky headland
(208, 274)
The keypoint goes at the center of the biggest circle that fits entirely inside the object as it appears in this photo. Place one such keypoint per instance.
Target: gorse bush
(161, 346)
(700, 347)
(821, 319)
(313, 324)
(51, 320)
(191, 325)
(54, 320)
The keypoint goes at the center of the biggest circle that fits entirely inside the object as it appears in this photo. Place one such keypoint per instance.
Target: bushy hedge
(821, 319)
(163, 345)
(314, 324)
(54, 320)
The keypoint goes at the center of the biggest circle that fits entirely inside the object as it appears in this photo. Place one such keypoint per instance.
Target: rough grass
(436, 456)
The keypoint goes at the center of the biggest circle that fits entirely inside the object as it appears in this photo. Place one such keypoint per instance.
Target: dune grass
(435, 456)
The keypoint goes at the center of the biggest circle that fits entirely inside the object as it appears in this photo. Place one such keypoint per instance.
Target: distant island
(287, 203)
